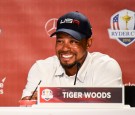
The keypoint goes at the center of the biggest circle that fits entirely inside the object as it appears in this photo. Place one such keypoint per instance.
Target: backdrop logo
(123, 27)
(2, 85)
(0, 31)
(50, 26)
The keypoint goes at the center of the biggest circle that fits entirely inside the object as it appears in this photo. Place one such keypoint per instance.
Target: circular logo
(47, 94)
(50, 26)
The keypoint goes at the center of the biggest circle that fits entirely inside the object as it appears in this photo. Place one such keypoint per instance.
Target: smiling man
(73, 65)
(71, 52)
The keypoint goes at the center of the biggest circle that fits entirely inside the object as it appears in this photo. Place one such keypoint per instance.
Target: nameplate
(80, 95)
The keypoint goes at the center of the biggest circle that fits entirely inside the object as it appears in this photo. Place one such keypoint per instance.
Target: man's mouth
(67, 59)
(66, 56)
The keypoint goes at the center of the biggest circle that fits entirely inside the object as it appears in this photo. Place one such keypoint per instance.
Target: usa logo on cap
(123, 27)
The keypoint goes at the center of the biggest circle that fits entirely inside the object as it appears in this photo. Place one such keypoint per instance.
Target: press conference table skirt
(64, 111)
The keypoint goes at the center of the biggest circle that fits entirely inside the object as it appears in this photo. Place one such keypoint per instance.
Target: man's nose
(66, 47)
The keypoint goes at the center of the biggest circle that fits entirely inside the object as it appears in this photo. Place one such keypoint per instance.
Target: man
(73, 65)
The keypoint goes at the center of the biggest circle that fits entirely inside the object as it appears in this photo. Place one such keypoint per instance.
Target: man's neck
(71, 71)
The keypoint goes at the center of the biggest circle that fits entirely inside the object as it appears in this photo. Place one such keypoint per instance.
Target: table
(64, 111)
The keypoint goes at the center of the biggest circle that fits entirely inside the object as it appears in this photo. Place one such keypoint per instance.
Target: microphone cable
(78, 66)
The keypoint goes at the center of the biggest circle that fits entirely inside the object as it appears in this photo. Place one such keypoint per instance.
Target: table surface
(42, 110)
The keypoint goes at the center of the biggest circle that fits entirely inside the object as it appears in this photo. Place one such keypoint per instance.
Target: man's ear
(89, 42)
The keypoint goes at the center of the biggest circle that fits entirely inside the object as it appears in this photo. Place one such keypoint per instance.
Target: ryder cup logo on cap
(75, 24)
(123, 27)
(47, 94)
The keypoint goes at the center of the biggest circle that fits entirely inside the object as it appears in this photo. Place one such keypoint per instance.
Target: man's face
(70, 50)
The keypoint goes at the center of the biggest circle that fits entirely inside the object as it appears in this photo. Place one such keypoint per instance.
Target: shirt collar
(83, 70)
(59, 71)
(81, 73)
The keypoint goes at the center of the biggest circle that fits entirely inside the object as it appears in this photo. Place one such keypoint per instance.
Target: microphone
(78, 66)
(35, 90)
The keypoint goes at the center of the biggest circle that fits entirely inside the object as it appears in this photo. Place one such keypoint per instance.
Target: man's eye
(74, 42)
(59, 41)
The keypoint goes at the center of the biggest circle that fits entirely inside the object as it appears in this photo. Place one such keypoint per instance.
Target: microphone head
(78, 64)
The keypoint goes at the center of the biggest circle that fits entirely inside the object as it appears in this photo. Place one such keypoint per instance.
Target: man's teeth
(67, 56)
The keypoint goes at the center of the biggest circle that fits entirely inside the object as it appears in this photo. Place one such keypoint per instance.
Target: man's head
(72, 39)
(75, 24)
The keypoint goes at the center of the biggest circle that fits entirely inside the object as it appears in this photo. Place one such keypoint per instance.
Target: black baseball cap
(75, 24)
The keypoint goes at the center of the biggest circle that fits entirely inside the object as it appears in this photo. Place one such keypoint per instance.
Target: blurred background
(25, 26)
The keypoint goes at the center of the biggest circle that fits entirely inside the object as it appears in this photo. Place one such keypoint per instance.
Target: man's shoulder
(104, 62)
(52, 58)
(100, 57)
(50, 61)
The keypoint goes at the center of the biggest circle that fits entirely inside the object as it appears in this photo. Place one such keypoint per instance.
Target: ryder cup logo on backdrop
(123, 27)
(47, 94)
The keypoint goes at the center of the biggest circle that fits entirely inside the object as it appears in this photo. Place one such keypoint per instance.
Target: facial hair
(68, 65)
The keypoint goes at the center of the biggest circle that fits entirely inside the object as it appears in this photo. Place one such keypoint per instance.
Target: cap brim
(73, 33)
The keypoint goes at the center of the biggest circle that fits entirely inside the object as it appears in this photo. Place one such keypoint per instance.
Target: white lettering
(97, 94)
(68, 20)
(1, 91)
(129, 84)
(1, 85)
(72, 94)
(121, 33)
